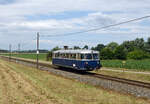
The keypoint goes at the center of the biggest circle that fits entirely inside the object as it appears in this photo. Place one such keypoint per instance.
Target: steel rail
(106, 77)
(122, 80)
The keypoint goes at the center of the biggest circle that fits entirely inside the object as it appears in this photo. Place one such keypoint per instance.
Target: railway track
(134, 87)
(106, 77)
(122, 80)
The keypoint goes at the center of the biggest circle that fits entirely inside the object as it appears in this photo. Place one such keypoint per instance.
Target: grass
(127, 75)
(42, 56)
(32, 86)
(138, 65)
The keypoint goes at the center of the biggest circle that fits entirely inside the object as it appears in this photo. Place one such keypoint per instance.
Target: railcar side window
(95, 56)
(73, 56)
(88, 56)
(60, 55)
(78, 56)
(67, 55)
(82, 56)
(56, 55)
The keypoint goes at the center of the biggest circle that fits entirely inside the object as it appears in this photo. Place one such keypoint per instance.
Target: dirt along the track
(16, 89)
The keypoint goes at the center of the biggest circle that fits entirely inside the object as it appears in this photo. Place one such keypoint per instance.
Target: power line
(112, 25)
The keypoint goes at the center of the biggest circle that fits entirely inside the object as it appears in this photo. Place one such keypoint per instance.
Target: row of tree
(3, 51)
(135, 49)
(24, 51)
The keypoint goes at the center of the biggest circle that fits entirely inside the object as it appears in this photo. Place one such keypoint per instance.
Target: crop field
(20, 84)
(137, 65)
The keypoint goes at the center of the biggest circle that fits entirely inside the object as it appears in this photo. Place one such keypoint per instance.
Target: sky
(20, 20)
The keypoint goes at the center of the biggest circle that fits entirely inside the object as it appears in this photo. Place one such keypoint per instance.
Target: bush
(106, 53)
(49, 56)
(138, 55)
(120, 53)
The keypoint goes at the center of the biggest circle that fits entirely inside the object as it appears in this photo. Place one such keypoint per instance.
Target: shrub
(120, 53)
(137, 55)
(49, 56)
(106, 53)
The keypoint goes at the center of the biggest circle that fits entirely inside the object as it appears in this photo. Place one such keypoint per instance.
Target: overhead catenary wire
(99, 28)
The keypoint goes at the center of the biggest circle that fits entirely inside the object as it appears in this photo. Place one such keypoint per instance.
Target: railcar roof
(75, 51)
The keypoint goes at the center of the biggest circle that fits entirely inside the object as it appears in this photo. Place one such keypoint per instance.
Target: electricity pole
(19, 48)
(37, 50)
(9, 52)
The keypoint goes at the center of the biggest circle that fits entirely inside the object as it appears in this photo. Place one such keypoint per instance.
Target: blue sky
(22, 19)
(4, 2)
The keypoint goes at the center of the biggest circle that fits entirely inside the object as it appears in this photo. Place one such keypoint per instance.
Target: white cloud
(14, 17)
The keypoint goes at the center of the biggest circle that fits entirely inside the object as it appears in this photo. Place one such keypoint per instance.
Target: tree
(86, 47)
(3, 51)
(49, 54)
(112, 46)
(139, 43)
(106, 53)
(148, 40)
(76, 47)
(120, 53)
(99, 47)
(128, 45)
(56, 48)
(147, 45)
(137, 55)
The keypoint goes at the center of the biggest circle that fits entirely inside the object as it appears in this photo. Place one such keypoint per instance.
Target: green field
(129, 64)
(42, 56)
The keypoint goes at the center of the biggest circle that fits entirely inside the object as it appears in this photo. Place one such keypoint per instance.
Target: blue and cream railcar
(86, 60)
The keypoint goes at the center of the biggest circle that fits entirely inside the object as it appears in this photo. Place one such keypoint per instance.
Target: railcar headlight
(86, 62)
(74, 65)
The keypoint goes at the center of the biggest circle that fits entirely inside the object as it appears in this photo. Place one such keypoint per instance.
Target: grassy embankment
(127, 75)
(20, 84)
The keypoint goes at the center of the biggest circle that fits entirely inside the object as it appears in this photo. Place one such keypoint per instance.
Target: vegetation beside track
(24, 84)
(138, 65)
(125, 74)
